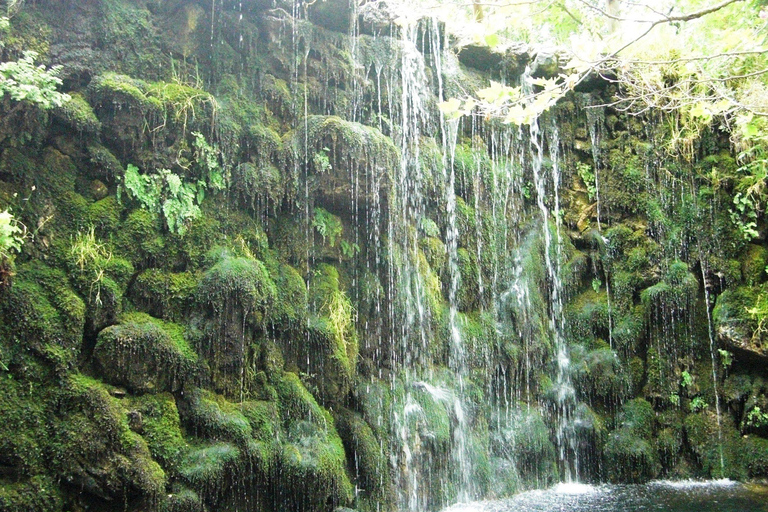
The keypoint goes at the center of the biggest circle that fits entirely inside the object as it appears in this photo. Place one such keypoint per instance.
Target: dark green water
(717, 496)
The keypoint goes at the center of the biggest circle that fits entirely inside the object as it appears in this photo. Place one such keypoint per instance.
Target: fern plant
(328, 225)
(164, 193)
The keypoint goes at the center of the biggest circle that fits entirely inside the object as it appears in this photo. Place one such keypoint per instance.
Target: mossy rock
(736, 328)
(599, 376)
(523, 440)
(365, 458)
(182, 499)
(236, 294)
(145, 354)
(93, 447)
(756, 454)
(167, 295)
(289, 309)
(348, 147)
(237, 283)
(23, 439)
(313, 469)
(140, 239)
(99, 276)
(158, 423)
(211, 416)
(628, 458)
(42, 311)
(37, 493)
(716, 445)
(207, 467)
(78, 115)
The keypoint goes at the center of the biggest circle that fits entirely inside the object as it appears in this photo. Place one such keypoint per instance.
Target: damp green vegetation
(259, 258)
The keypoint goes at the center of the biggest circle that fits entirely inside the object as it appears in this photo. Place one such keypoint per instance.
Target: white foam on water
(574, 488)
(692, 484)
(465, 507)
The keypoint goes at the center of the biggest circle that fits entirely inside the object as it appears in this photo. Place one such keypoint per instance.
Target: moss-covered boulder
(629, 454)
(716, 445)
(145, 354)
(42, 312)
(366, 459)
(338, 148)
(313, 462)
(93, 447)
(167, 295)
(738, 316)
(236, 294)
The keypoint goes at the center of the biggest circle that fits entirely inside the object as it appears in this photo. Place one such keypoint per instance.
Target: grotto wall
(262, 271)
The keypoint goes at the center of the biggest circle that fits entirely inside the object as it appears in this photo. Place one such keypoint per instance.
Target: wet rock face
(369, 307)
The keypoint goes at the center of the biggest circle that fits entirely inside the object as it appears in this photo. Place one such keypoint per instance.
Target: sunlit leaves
(23, 81)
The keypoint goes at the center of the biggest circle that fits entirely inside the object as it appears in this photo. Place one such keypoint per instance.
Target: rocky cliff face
(263, 272)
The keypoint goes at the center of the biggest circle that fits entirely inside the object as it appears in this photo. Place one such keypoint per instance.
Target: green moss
(212, 416)
(182, 500)
(587, 317)
(295, 402)
(716, 445)
(365, 458)
(599, 376)
(140, 239)
(313, 468)
(104, 162)
(629, 458)
(161, 429)
(79, 116)
(167, 295)
(233, 282)
(104, 216)
(469, 293)
(732, 319)
(756, 453)
(523, 441)
(121, 91)
(435, 252)
(753, 264)
(37, 493)
(289, 309)
(205, 467)
(145, 354)
(93, 446)
(43, 312)
(23, 429)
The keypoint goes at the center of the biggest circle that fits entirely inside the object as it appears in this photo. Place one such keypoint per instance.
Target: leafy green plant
(348, 250)
(322, 161)
(757, 418)
(675, 399)
(697, 404)
(596, 284)
(588, 177)
(11, 235)
(744, 216)
(22, 80)
(726, 358)
(328, 225)
(208, 163)
(686, 379)
(165, 193)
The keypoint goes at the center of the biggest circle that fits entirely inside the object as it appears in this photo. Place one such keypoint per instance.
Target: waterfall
(563, 388)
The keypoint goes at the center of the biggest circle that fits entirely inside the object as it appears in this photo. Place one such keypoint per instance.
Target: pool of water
(659, 496)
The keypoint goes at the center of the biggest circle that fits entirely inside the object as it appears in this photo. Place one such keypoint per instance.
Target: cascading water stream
(563, 387)
(710, 332)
